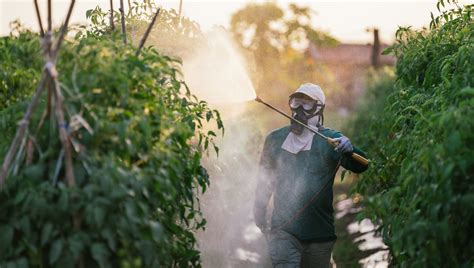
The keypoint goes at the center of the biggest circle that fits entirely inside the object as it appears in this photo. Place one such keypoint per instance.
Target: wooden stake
(63, 135)
(122, 13)
(38, 15)
(46, 112)
(375, 49)
(51, 73)
(30, 150)
(20, 132)
(147, 32)
(50, 22)
(58, 100)
(112, 25)
(47, 40)
(62, 32)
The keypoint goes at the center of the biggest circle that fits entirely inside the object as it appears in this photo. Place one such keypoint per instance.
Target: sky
(347, 20)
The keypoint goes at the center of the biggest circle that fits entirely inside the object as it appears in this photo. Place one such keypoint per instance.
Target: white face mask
(315, 121)
(309, 112)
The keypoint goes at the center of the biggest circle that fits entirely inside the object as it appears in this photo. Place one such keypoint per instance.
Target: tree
(277, 41)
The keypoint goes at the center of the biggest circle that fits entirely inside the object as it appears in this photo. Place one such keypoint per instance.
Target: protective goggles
(307, 105)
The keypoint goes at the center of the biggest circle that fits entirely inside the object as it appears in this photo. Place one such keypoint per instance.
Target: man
(298, 170)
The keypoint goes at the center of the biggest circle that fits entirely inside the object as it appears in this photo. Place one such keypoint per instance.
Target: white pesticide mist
(216, 73)
(231, 238)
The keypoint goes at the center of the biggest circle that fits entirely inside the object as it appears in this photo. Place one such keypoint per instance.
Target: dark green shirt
(301, 185)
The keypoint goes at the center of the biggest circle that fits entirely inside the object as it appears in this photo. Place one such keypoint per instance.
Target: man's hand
(344, 146)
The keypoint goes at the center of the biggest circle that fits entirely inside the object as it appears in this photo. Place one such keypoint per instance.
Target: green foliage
(138, 138)
(19, 64)
(20, 68)
(379, 85)
(171, 34)
(420, 185)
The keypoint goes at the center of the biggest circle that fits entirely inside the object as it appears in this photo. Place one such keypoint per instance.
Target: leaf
(109, 236)
(216, 149)
(6, 235)
(388, 50)
(20, 197)
(22, 263)
(208, 116)
(46, 233)
(55, 251)
(201, 224)
(468, 91)
(343, 174)
(76, 244)
(34, 171)
(99, 215)
(157, 230)
(100, 254)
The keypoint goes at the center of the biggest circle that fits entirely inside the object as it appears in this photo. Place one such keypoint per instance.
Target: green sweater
(301, 185)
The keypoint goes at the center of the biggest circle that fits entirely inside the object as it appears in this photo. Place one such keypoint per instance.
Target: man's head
(307, 106)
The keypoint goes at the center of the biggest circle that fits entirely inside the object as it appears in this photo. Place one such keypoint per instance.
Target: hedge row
(420, 136)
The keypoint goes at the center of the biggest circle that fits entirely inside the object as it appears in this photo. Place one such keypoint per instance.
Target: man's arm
(265, 185)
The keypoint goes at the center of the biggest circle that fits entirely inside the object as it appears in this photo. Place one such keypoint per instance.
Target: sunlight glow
(216, 72)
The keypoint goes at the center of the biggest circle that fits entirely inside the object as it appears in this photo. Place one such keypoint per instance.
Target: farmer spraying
(298, 169)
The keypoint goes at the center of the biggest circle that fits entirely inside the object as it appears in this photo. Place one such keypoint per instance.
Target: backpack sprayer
(333, 142)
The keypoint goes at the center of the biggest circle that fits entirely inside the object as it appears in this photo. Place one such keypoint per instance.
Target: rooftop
(354, 54)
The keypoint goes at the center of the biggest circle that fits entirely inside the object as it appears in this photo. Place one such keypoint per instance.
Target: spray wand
(333, 142)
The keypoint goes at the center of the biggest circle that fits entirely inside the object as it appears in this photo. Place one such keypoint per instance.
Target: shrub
(138, 137)
(420, 186)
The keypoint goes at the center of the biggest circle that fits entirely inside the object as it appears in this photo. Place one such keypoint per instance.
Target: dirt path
(357, 245)
(233, 240)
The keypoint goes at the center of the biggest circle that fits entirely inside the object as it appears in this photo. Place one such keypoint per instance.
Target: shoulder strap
(301, 210)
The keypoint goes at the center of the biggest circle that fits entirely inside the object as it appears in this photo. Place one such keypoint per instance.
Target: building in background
(349, 63)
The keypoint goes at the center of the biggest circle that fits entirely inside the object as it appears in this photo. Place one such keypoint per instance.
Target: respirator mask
(303, 110)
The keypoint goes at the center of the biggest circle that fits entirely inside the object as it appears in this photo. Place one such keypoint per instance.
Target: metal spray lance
(333, 142)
